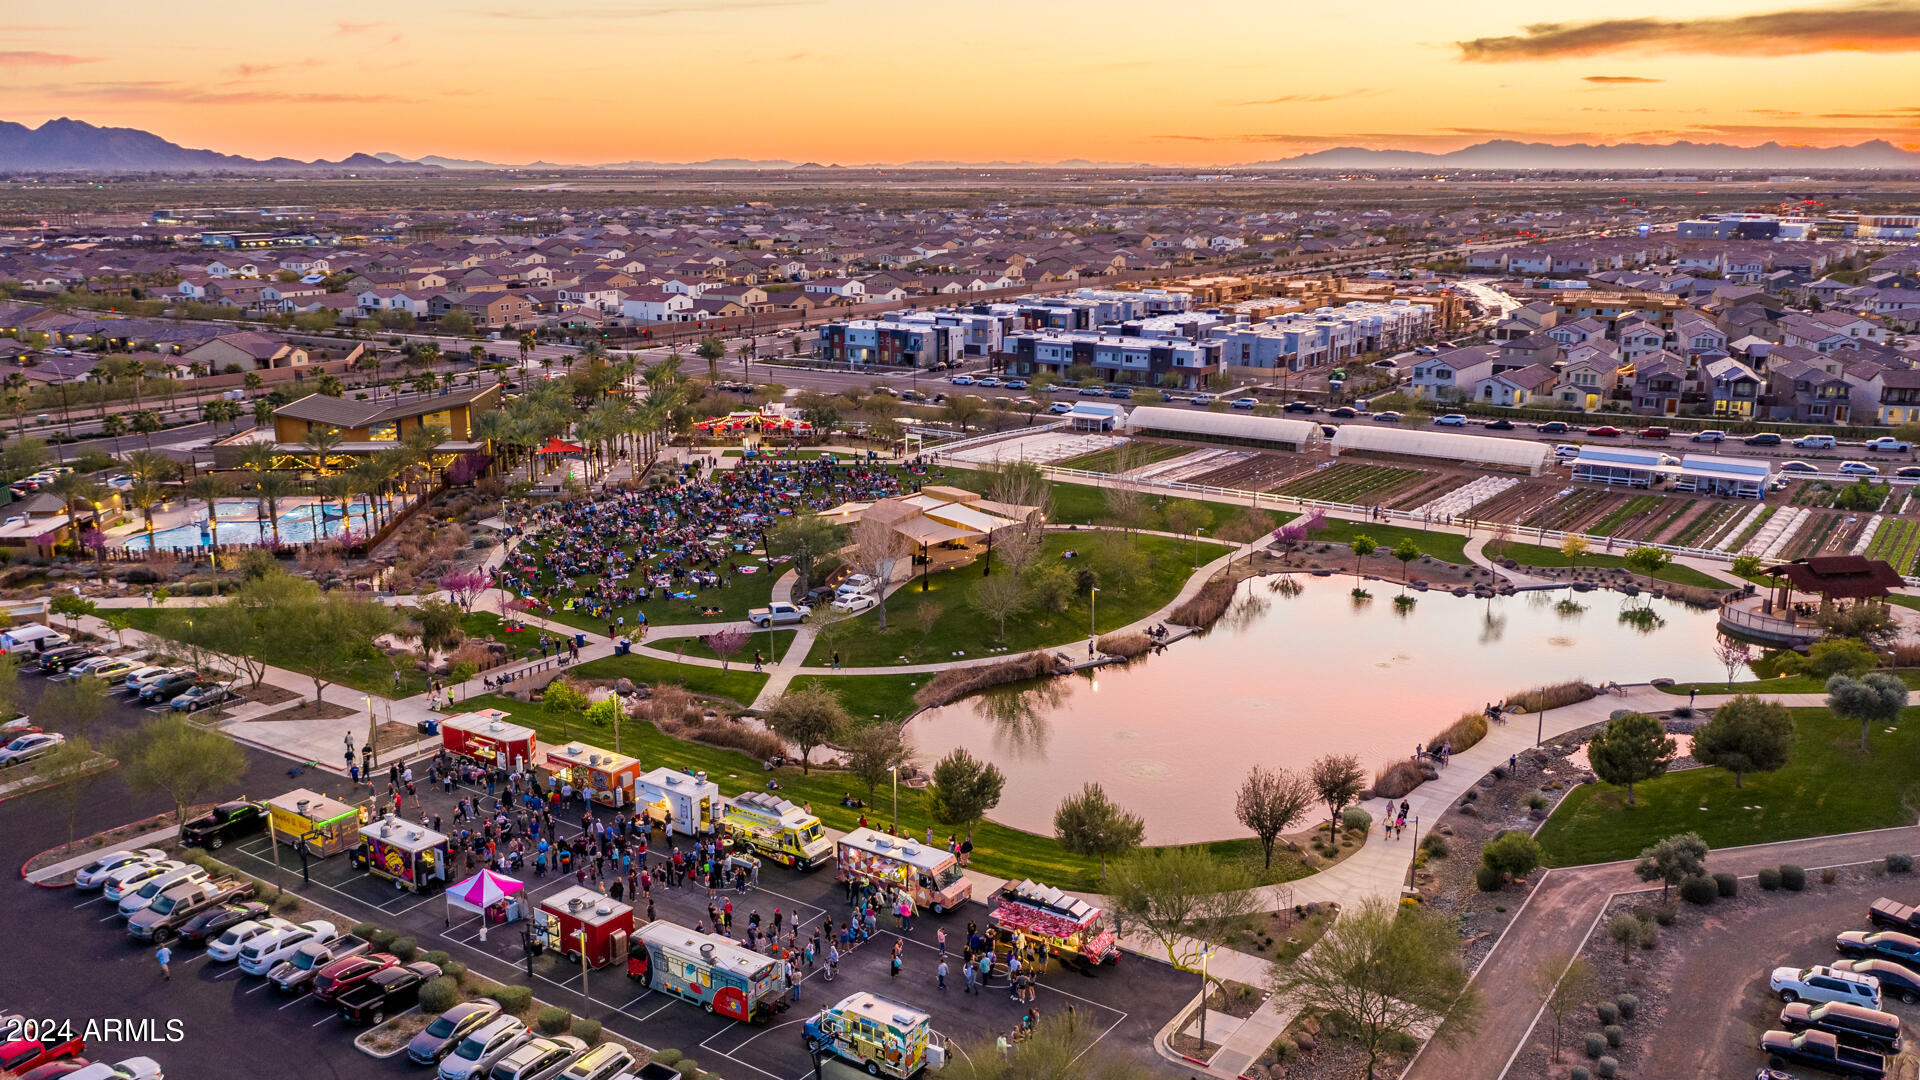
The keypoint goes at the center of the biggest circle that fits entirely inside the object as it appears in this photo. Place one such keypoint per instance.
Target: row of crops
(1348, 482)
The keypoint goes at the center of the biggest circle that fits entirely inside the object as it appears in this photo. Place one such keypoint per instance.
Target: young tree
(875, 751)
(73, 606)
(1747, 734)
(331, 638)
(725, 644)
(72, 706)
(1270, 801)
(1672, 861)
(1747, 566)
(1092, 824)
(1019, 482)
(1389, 973)
(180, 760)
(1573, 545)
(1363, 546)
(805, 538)
(1733, 655)
(877, 552)
(1630, 749)
(1185, 898)
(964, 788)
(1625, 929)
(1873, 699)
(1058, 1048)
(437, 624)
(70, 770)
(564, 700)
(1646, 561)
(807, 717)
(1567, 983)
(1337, 781)
(998, 597)
(1406, 552)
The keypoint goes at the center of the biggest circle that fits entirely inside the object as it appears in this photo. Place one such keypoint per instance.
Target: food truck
(487, 738)
(932, 875)
(884, 1037)
(324, 826)
(777, 829)
(708, 970)
(578, 921)
(686, 802)
(1067, 926)
(605, 776)
(409, 855)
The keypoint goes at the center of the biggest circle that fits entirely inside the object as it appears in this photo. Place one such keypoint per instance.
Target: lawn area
(693, 646)
(1445, 546)
(1145, 585)
(482, 625)
(1791, 684)
(886, 697)
(998, 850)
(733, 599)
(1084, 504)
(1905, 601)
(1827, 786)
(742, 684)
(373, 677)
(1137, 454)
(1537, 555)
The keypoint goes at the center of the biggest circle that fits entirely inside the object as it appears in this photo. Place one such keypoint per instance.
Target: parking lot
(97, 970)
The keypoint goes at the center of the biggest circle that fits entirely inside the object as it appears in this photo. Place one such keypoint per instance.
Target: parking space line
(755, 1035)
(262, 986)
(84, 903)
(296, 1001)
(671, 1002)
(110, 915)
(324, 1020)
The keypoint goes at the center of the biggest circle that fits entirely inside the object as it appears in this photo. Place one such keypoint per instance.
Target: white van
(31, 638)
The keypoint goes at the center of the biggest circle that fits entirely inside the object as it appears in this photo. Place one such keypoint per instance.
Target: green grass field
(998, 850)
(1135, 453)
(870, 697)
(1084, 504)
(1791, 684)
(373, 677)
(1445, 546)
(742, 684)
(1828, 786)
(1537, 555)
(694, 646)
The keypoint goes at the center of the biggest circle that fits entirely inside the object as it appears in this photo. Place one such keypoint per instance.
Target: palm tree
(528, 343)
(113, 425)
(271, 486)
(209, 488)
(144, 494)
(151, 466)
(77, 489)
(321, 441)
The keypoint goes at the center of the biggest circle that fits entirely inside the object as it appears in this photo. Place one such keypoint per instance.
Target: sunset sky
(854, 81)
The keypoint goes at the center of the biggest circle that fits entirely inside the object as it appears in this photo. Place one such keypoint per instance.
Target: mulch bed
(311, 710)
(269, 694)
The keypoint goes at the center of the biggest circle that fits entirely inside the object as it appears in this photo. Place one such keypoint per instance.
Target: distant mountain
(1509, 154)
(65, 145)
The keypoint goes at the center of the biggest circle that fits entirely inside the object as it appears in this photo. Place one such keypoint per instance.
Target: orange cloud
(1886, 26)
(35, 58)
(1620, 80)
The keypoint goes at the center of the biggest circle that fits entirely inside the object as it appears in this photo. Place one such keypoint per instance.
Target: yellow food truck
(777, 829)
(884, 1037)
(324, 826)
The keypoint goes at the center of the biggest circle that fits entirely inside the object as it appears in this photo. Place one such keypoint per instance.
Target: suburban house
(655, 304)
(1587, 381)
(1639, 338)
(368, 427)
(1808, 391)
(1451, 376)
(1734, 387)
(1658, 382)
(247, 350)
(1516, 388)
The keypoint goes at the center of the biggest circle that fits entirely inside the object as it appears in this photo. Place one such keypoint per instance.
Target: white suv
(478, 1052)
(228, 945)
(147, 893)
(129, 879)
(1825, 984)
(258, 956)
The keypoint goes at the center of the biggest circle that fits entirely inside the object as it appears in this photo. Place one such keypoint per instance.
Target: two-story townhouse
(1734, 387)
(1807, 391)
(1587, 379)
(1578, 332)
(1516, 388)
(1659, 381)
(1639, 338)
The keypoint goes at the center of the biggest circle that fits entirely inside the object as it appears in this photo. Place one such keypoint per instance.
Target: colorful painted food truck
(777, 829)
(932, 874)
(1067, 926)
(884, 1037)
(686, 802)
(487, 738)
(708, 970)
(605, 776)
(409, 855)
(322, 825)
(578, 921)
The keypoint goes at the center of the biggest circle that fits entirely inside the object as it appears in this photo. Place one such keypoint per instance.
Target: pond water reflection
(1296, 669)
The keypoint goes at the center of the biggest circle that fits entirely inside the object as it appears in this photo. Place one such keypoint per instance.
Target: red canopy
(555, 446)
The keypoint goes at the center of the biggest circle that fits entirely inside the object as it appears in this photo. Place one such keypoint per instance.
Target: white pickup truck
(1890, 444)
(778, 613)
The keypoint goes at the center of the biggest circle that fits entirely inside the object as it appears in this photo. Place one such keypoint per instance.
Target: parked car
(855, 603)
(987, 381)
(1868, 1029)
(1452, 419)
(1885, 945)
(1816, 442)
(344, 973)
(27, 747)
(130, 878)
(161, 920)
(393, 990)
(228, 821)
(604, 1062)
(56, 1070)
(475, 1055)
(1244, 402)
(1908, 472)
(1822, 1051)
(779, 613)
(855, 585)
(140, 677)
(912, 395)
(236, 937)
(1709, 436)
(139, 899)
(1200, 399)
(1553, 427)
(1655, 433)
(94, 875)
(18, 726)
(1604, 431)
(1765, 438)
(1896, 980)
(1121, 392)
(133, 1068)
(449, 1029)
(1824, 984)
(1889, 444)
(1499, 424)
(539, 1059)
(167, 687)
(961, 380)
(19, 1055)
(258, 956)
(334, 960)
(1797, 466)
(1092, 391)
(1059, 408)
(1014, 384)
(209, 925)
(201, 695)
(1297, 406)
(1893, 915)
(111, 668)
(54, 661)
(1566, 451)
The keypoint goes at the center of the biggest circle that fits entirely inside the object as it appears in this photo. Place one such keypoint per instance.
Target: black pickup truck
(1822, 1051)
(1893, 915)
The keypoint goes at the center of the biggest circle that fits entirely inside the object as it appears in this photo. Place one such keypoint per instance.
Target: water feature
(1297, 669)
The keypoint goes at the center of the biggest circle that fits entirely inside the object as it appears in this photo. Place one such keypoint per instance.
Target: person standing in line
(895, 965)
(966, 975)
(941, 974)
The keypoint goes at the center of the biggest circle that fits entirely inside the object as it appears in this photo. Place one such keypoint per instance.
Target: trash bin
(622, 647)
(580, 640)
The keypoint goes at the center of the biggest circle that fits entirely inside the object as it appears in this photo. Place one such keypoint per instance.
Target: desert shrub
(1768, 878)
(1489, 878)
(364, 930)
(587, 1031)
(381, 940)
(1355, 818)
(1608, 1012)
(514, 999)
(1699, 890)
(1899, 864)
(439, 995)
(725, 733)
(1827, 876)
(1727, 884)
(1513, 853)
(554, 1020)
(437, 957)
(1778, 664)
(404, 948)
(1579, 1072)
(955, 683)
(1462, 733)
(1606, 1067)
(1666, 914)
(286, 902)
(1614, 1034)
(688, 1069)
(1435, 845)
(1595, 1044)
(1628, 1005)
(667, 1057)
(1550, 697)
(1283, 1049)
(453, 969)
(1792, 878)
(1395, 780)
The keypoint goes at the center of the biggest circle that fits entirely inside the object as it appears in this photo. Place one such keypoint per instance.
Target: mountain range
(65, 145)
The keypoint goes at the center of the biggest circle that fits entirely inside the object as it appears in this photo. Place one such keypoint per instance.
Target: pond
(1297, 669)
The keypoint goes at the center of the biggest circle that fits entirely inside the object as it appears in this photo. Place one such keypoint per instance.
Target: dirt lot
(1703, 989)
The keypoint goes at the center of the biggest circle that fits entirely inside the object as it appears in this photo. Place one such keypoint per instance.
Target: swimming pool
(297, 526)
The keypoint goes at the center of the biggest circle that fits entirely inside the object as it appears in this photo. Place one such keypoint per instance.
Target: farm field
(1122, 458)
(1349, 482)
(1898, 542)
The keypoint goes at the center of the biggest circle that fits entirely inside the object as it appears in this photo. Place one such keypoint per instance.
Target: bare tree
(1567, 984)
(1733, 655)
(1270, 801)
(877, 551)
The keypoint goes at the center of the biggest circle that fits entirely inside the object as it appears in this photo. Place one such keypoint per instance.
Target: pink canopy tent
(481, 891)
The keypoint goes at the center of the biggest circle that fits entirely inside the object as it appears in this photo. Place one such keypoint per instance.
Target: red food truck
(579, 921)
(1067, 926)
(487, 738)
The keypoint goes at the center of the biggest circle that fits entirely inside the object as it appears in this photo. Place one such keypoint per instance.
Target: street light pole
(1196, 546)
(894, 771)
(1205, 959)
(1093, 605)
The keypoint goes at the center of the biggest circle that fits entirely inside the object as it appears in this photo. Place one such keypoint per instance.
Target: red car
(22, 1054)
(344, 974)
(1604, 432)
